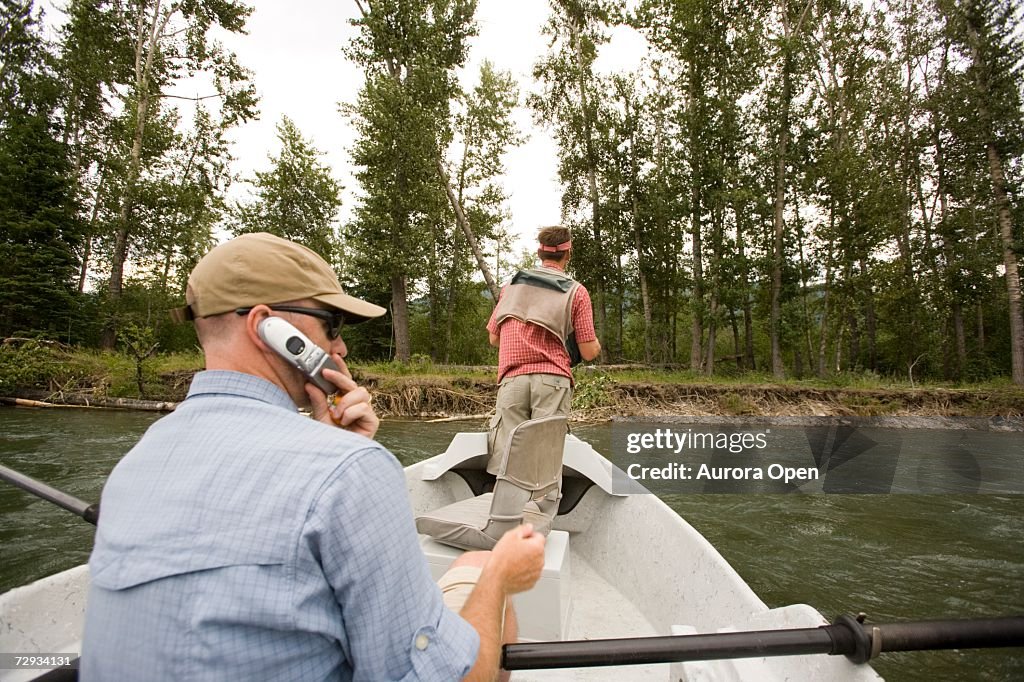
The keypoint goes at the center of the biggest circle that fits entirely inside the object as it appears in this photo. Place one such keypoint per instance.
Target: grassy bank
(421, 388)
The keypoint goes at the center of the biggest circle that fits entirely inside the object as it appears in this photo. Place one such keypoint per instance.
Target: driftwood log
(43, 399)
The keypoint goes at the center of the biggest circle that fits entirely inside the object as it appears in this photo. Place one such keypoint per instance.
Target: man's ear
(252, 323)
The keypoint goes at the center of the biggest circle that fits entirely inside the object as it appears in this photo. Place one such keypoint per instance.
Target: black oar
(89, 512)
(848, 636)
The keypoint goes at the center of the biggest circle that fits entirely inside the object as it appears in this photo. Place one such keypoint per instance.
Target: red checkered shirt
(531, 349)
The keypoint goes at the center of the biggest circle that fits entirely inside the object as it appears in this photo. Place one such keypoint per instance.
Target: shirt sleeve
(583, 316)
(395, 622)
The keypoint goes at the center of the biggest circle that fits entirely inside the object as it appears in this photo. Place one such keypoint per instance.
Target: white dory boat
(616, 566)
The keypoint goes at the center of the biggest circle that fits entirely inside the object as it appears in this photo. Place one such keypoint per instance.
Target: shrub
(593, 389)
(26, 363)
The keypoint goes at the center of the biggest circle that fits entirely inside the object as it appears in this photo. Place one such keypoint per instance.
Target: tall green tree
(297, 198)
(568, 102)
(172, 41)
(403, 116)
(789, 43)
(430, 39)
(95, 55)
(188, 202)
(22, 52)
(989, 33)
(39, 228)
(484, 131)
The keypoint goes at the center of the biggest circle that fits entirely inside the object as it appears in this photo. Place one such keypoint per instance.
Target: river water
(895, 557)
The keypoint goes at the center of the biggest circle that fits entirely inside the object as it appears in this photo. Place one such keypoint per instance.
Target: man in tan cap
(239, 539)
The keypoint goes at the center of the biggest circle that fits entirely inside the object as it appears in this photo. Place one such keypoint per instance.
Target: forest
(795, 188)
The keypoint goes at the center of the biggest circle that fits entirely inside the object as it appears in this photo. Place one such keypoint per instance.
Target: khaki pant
(522, 397)
(457, 584)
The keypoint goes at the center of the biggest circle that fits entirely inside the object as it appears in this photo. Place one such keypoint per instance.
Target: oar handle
(89, 512)
(646, 650)
(975, 633)
(848, 636)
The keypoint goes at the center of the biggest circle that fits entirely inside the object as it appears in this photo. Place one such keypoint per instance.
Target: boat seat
(527, 490)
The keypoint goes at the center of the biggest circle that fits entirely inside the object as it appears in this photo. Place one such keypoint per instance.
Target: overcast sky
(295, 52)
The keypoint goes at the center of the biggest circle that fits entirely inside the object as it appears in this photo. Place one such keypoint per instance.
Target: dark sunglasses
(335, 320)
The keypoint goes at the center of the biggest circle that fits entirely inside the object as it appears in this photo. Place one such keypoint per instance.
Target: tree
(21, 49)
(989, 31)
(792, 15)
(484, 132)
(403, 117)
(95, 55)
(39, 229)
(171, 41)
(432, 42)
(186, 203)
(568, 102)
(297, 198)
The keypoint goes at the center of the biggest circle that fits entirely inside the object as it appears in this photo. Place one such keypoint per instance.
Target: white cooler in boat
(543, 612)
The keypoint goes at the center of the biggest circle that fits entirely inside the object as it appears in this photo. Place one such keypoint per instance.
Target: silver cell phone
(295, 347)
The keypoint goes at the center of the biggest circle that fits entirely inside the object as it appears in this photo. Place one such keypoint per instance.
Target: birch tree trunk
(778, 253)
(595, 202)
(460, 217)
(1002, 205)
(145, 49)
(696, 179)
(91, 231)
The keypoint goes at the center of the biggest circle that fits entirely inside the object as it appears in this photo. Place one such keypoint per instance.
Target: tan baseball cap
(261, 268)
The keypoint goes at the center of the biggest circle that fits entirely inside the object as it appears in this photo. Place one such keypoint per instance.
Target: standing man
(541, 316)
(242, 540)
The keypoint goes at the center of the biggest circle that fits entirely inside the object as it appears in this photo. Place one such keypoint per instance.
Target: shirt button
(422, 641)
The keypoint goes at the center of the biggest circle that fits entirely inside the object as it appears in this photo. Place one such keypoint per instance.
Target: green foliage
(141, 343)
(116, 374)
(455, 334)
(149, 187)
(296, 199)
(592, 389)
(403, 117)
(27, 364)
(894, 240)
(39, 229)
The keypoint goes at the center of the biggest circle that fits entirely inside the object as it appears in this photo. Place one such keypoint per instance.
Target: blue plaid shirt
(241, 540)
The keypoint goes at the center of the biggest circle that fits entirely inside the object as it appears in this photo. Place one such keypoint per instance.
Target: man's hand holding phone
(349, 407)
(334, 396)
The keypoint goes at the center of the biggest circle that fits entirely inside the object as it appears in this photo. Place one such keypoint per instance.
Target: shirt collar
(226, 382)
(553, 266)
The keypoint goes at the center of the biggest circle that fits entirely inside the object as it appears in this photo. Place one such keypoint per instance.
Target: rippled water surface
(895, 557)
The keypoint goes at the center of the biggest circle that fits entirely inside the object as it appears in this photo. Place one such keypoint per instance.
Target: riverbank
(60, 376)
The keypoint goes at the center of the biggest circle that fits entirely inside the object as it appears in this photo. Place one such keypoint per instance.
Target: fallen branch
(459, 417)
(73, 400)
(24, 402)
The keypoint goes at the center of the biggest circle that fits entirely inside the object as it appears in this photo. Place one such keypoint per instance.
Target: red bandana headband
(564, 246)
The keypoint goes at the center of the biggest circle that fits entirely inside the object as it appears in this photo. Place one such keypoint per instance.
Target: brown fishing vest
(541, 297)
